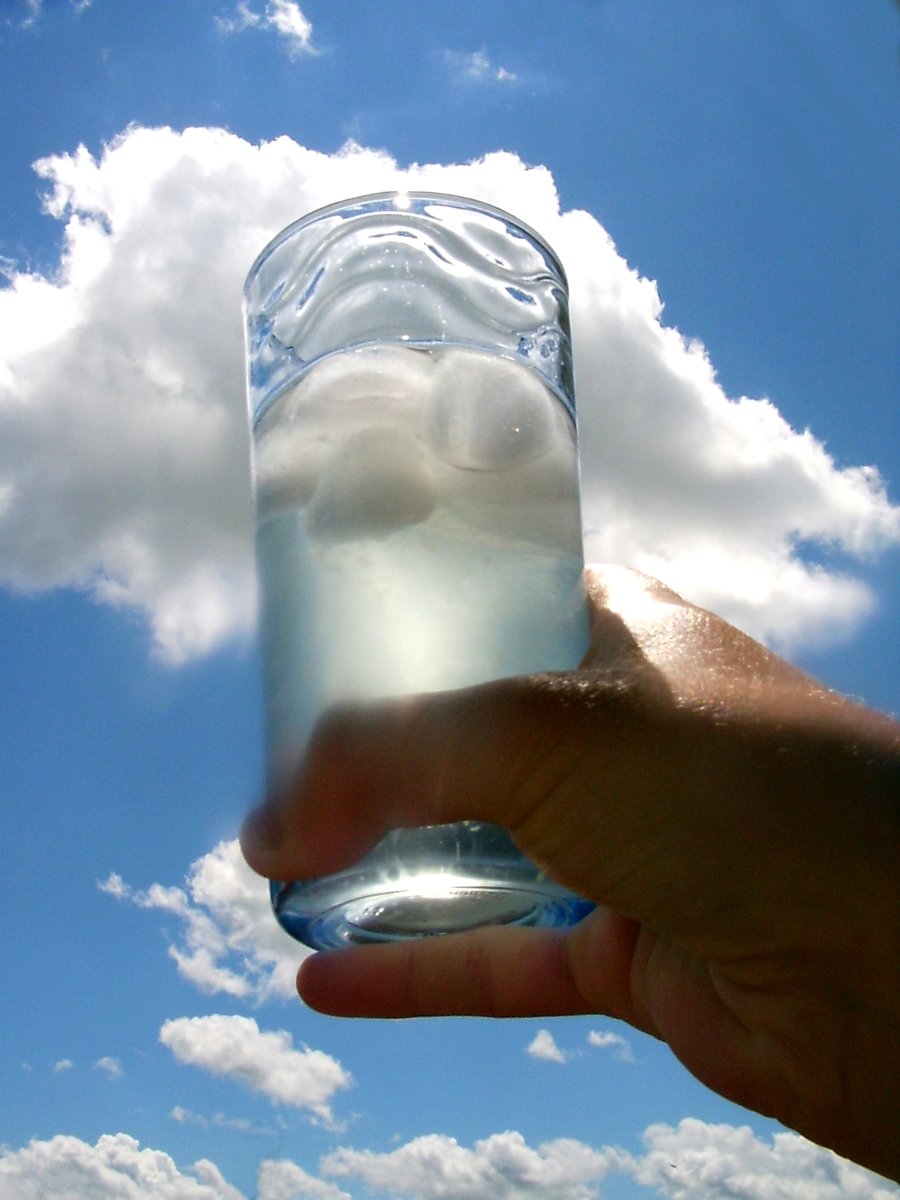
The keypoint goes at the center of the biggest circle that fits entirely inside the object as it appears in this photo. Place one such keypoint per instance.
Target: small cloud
(243, 18)
(605, 1039)
(218, 1120)
(545, 1048)
(265, 1061)
(115, 885)
(111, 1066)
(477, 68)
(284, 17)
(229, 942)
(35, 8)
(63, 1064)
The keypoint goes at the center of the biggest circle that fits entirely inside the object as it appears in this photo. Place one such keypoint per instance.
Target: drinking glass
(417, 516)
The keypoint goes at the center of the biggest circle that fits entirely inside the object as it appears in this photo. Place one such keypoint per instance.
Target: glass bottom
(425, 883)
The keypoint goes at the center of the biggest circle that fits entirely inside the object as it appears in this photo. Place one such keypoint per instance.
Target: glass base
(425, 883)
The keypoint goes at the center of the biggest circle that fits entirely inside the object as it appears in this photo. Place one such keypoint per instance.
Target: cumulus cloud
(543, 1046)
(61, 1065)
(501, 1167)
(228, 941)
(698, 1159)
(116, 1168)
(267, 1062)
(605, 1039)
(284, 17)
(123, 442)
(693, 1161)
(281, 1179)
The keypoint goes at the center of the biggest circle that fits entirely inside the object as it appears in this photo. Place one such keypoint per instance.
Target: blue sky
(721, 183)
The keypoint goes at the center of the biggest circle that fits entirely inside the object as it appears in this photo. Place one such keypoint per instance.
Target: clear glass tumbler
(418, 527)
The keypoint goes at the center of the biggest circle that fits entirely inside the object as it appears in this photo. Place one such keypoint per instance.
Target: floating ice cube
(287, 464)
(534, 505)
(375, 482)
(343, 393)
(362, 385)
(488, 413)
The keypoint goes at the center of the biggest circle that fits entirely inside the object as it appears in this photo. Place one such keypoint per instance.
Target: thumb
(430, 759)
(545, 756)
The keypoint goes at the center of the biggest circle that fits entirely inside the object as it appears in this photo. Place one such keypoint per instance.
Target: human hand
(735, 822)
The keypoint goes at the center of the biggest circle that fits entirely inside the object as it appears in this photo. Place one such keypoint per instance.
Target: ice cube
(345, 392)
(488, 413)
(375, 482)
(363, 385)
(287, 463)
(536, 504)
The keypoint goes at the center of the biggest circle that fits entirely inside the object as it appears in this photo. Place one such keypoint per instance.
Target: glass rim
(387, 199)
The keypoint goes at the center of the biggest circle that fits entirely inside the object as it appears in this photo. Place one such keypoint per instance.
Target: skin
(737, 823)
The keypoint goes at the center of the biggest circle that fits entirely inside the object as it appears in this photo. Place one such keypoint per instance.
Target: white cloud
(476, 67)
(281, 1179)
(63, 1064)
(284, 17)
(242, 18)
(116, 1168)
(229, 942)
(696, 1160)
(605, 1039)
(35, 8)
(713, 495)
(123, 442)
(501, 1167)
(267, 1062)
(544, 1046)
(218, 1120)
(111, 1067)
